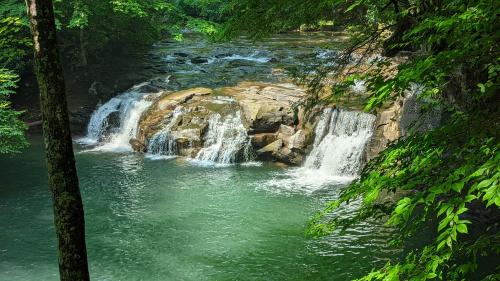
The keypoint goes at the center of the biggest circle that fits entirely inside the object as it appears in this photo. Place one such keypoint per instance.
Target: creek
(179, 218)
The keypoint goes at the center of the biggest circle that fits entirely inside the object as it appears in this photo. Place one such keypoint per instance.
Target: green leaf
(462, 228)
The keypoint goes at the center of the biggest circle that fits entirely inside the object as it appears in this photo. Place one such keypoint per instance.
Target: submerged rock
(199, 60)
(179, 54)
(223, 55)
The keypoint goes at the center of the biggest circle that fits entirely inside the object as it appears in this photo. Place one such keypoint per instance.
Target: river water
(177, 220)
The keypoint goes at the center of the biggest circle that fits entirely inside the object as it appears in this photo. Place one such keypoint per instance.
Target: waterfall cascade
(337, 154)
(115, 136)
(340, 140)
(226, 141)
(161, 143)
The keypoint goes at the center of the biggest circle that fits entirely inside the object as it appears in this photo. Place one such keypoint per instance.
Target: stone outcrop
(386, 129)
(401, 118)
(290, 146)
(274, 128)
(264, 106)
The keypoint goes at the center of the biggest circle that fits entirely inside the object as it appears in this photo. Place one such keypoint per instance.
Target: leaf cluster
(448, 176)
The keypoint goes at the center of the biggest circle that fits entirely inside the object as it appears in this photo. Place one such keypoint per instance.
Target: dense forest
(437, 188)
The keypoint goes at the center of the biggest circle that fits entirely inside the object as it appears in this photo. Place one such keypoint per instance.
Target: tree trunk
(63, 180)
(83, 49)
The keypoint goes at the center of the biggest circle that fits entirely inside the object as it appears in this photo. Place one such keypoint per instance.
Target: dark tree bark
(63, 180)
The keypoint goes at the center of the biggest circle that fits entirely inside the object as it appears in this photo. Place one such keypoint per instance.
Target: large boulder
(188, 129)
(266, 110)
(290, 146)
(399, 119)
(262, 139)
(265, 107)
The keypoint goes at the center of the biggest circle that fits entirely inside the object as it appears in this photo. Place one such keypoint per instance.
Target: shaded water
(172, 220)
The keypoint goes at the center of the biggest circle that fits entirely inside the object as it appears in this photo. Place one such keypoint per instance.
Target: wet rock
(179, 54)
(299, 140)
(266, 112)
(293, 145)
(137, 145)
(398, 120)
(290, 156)
(265, 107)
(285, 132)
(278, 151)
(270, 150)
(199, 60)
(262, 139)
(223, 55)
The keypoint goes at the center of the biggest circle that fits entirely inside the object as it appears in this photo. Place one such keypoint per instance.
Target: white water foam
(226, 141)
(98, 123)
(248, 58)
(359, 86)
(255, 57)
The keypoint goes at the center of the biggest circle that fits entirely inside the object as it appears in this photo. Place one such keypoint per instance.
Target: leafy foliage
(101, 25)
(449, 176)
(14, 46)
(12, 138)
(258, 18)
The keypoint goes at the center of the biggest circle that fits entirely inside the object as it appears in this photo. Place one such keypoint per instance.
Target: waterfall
(340, 139)
(98, 123)
(226, 141)
(339, 144)
(114, 135)
(161, 143)
(359, 86)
